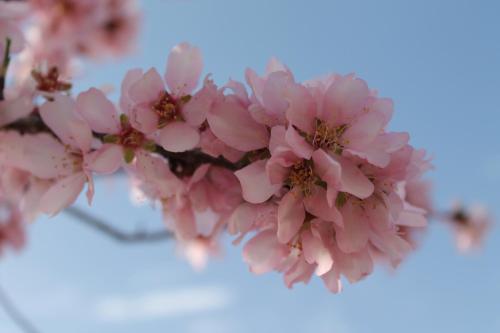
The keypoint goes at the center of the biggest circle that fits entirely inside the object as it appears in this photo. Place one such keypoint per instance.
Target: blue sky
(438, 60)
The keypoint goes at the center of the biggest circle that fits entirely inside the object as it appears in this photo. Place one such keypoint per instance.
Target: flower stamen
(328, 137)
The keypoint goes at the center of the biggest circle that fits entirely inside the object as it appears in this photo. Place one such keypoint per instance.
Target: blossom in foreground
(326, 197)
(172, 116)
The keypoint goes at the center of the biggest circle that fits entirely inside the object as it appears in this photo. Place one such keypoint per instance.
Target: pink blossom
(334, 177)
(69, 28)
(470, 226)
(211, 195)
(173, 116)
(61, 117)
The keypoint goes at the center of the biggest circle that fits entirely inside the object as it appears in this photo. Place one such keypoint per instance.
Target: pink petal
(144, 119)
(291, 215)
(131, 77)
(105, 160)
(98, 111)
(154, 171)
(355, 266)
(184, 68)
(412, 219)
(317, 204)
(385, 107)
(274, 65)
(12, 110)
(353, 236)
(233, 124)
(185, 223)
(242, 219)
(344, 99)
(148, 88)
(278, 134)
(263, 252)
(298, 144)
(178, 136)
(275, 93)
(238, 90)
(61, 117)
(62, 194)
(316, 253)
(255, 182)
(195, 111)
(392, 245)
(332, 280)
(302, 108)
(330, 171)
(45, 157)
(277, 167)
(300, 272)
(256, 83)
(364, 129)
(354, 181)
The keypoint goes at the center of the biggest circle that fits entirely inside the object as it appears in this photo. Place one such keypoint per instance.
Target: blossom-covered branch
(306, 171)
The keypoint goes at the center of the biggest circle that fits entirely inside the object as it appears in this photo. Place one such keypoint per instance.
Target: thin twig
(13, 312)
(116, 234)
(5, 66)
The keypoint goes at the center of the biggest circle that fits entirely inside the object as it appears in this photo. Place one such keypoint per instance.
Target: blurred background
(438, 60)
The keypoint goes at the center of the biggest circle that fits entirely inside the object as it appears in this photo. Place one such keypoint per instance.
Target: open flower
(174, 115)
(74, 132)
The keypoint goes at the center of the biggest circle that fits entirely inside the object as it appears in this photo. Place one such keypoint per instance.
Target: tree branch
(5, 66)
(116, 234)
(17, 317)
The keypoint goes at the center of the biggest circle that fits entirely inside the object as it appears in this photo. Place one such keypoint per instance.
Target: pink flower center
(131, 138)
(50, 82)
(167, 109)
(302, 176)
(327, 137)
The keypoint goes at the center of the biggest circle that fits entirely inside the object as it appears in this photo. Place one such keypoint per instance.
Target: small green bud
(341, 199)
(149, 146)
(128, 155)
(124, 120)
(111, 138)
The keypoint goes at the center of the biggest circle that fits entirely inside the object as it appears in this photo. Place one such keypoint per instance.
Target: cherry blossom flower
(91, 28)
(173, 116)
(470, 226)
(331, 172)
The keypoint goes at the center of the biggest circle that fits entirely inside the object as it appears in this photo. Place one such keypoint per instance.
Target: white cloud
(163, 303)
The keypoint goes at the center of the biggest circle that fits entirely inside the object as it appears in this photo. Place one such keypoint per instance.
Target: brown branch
(116, 234)
(5, 66)
(13, 313)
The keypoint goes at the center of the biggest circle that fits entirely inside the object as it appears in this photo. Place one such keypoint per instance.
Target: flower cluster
(308, 169)
(62, 31)
(328, 193)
